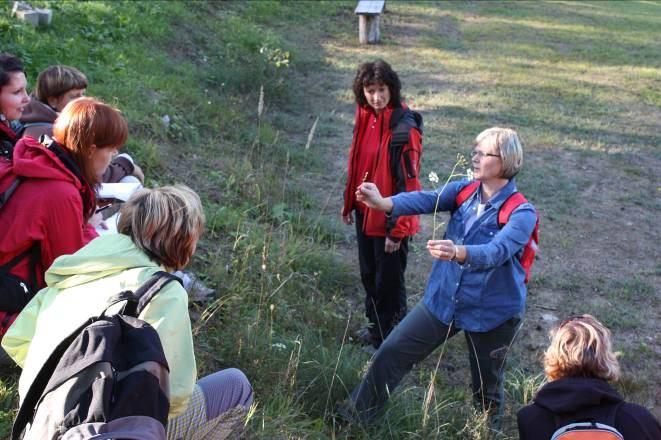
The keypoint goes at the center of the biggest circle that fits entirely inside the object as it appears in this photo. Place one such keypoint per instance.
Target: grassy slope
(579, 81)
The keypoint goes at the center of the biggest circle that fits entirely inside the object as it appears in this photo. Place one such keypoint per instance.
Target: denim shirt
(488, 289)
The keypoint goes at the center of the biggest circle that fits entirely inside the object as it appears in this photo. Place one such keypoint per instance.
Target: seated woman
(57, 86)
(13, 99)
(579, 363)
(476, 284)
(158, 229)
(48, 212)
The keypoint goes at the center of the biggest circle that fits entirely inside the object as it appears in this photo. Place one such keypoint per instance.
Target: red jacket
(376, 223)
(50, 206)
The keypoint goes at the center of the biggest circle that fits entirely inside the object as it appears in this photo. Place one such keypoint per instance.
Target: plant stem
(439, 193)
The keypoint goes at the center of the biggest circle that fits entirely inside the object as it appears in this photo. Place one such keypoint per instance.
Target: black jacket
(576, 399)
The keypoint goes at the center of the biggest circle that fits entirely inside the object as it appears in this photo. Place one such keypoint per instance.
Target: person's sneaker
(366, 337)
(197, 291)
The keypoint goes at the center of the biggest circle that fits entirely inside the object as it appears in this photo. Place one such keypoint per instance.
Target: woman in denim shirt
(476, 284)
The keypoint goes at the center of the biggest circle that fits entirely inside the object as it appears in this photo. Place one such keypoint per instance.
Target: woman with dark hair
(579, 363)
(158, 230)
(52, 199)
(13, 99)
(386, 150)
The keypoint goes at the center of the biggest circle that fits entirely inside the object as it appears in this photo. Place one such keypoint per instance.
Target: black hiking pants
(382, 275)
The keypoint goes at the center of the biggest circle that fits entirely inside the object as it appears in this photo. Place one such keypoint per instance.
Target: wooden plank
(370, 7)
(368, 29)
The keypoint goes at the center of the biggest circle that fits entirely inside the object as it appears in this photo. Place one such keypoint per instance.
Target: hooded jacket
(49, 209)
(576, 399)
(376, 223)
(38, 119)
(79, 287)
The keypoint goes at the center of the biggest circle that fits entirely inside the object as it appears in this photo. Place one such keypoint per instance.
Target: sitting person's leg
(217, 408)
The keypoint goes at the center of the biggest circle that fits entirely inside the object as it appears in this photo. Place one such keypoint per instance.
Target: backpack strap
(9, 191)
(33, 251)
(465, 193)
(563, 425)
(32, 397)
(5, 268)
(141, 297)
(515, 200)
(401, 122)
(20, 128)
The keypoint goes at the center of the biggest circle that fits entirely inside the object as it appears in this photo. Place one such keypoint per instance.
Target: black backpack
(402, 122)
(109, 379)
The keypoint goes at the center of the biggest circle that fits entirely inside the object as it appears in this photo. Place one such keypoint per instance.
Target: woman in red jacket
(386, 149)
(53, 201)
(13, 99)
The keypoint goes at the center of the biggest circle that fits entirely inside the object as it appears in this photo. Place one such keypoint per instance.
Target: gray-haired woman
(476, 284)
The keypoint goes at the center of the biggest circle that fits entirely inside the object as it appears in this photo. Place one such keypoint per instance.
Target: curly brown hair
(377, 72)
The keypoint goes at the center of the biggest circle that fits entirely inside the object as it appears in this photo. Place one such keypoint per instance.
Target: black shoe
(367, 337)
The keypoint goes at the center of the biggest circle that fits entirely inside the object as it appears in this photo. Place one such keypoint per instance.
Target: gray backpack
(108, 380)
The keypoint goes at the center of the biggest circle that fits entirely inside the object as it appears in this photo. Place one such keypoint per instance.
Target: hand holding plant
(369, 194)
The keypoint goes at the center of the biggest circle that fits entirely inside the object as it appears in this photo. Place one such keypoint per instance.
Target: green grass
(579, 81)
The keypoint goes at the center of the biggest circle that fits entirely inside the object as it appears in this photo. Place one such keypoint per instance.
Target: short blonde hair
(56, 80)
(509, 145)
(581, 347)
(165, 223)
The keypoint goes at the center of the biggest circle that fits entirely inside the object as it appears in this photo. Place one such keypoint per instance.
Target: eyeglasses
(480, 154)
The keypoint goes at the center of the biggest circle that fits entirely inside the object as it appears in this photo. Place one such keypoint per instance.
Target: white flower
(279, 345)
(469, 174)
(433, 177)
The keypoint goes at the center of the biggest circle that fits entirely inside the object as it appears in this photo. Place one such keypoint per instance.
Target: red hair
(87, 122)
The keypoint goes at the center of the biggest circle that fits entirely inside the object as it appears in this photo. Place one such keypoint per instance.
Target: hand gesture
(442, 249)
(347, 219)
(391, 246)
(369, 194)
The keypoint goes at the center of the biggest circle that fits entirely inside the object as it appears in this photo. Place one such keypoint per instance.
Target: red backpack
(515, 200)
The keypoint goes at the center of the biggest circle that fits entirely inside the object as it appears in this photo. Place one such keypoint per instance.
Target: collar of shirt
(473, 212)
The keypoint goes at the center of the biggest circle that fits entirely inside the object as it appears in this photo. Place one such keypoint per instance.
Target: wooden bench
(369, 19)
